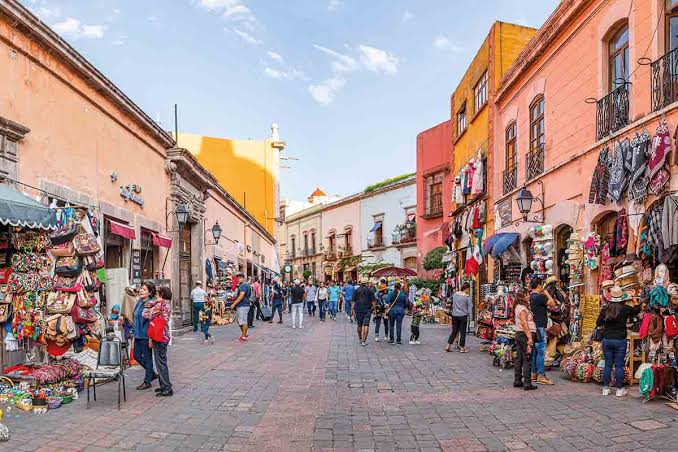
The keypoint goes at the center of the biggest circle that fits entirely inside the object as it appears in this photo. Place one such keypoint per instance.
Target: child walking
(205, 316)
(417, 315)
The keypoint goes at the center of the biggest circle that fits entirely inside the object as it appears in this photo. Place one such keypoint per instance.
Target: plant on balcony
(349, 262)
(434, 258)
(388, 181)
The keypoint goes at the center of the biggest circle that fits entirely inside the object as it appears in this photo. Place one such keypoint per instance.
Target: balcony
(511, 178)
(535, 163)
(435, 207)
(405, 237)
(612, 112)
(306, 252)
(664, 80)
(377, 242)
(330, 255)
(346, 251)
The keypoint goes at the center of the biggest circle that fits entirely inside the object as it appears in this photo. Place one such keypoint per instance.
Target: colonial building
(342, 232)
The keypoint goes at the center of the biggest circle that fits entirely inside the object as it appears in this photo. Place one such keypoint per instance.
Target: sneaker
(294, 327)
(363, 343)
(621, 392)
(529, 387)
(417, 342)
(606, 391)
(398, 342)
(533, 376)
(544, 380)
(412, 342)
(376, 339)
(205, 342)
(517, 384)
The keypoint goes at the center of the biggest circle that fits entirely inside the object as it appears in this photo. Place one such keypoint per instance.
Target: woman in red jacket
(159, 308)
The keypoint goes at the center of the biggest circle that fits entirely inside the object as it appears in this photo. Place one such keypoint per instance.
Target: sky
(350, 82)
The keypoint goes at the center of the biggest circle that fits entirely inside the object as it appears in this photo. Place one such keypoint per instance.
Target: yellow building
(472, 113)
(247, 169)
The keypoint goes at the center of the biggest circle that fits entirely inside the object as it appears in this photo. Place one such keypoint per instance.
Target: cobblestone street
(317, 389)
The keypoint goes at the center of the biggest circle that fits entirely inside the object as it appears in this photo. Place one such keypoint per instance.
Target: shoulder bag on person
(156, 328)
(395, 299)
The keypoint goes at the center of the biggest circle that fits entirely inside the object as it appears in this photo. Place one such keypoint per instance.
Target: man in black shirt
(364, 304)
(540, 301)
(297, 294)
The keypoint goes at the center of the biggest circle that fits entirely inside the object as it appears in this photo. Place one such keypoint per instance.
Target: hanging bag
(64, 234)
(68, 284)
(65, 249)
(86, 244)
(83, 315)
(60, 302)
(94, 262)
(68, 266)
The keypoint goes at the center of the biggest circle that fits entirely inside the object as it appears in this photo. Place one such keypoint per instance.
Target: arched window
(671, 25)
(537, 123)
(511, 156)
(618, 58)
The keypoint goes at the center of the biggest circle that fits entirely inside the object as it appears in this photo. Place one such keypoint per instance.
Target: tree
(307, 274)
(434, 258)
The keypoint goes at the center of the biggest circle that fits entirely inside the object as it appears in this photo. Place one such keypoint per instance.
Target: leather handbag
(60, 302)
(60, 328)
(86, 244)
(65, 249)
(555, 329)
(86, 300)
(68, 266)
(71, 284)
(64, 234)
(94, 262)
(597, 334)
(83, 315)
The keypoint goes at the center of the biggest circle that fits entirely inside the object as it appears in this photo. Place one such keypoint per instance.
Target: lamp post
(525, 200)
(216, 232)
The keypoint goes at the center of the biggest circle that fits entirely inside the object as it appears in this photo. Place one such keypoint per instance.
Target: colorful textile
(600, 179)
(637, 166)
(619, 176)
(661, 146)
(155, 308)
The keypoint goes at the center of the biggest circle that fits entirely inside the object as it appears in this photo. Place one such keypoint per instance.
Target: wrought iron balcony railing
(664, 80)
(375, 243)
(510, 178)
(535, 163)
(612, 112)
(330, 255)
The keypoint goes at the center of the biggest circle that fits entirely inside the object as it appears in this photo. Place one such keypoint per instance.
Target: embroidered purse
(64, 234)
(6, 311)
(65, 249)
(83, 315)
(31, 241)
(60, 302)
(86, 244)
(5, 273)
(91, 281)
(94, 262)
(68, 284)
(86, 300)
(67, 266)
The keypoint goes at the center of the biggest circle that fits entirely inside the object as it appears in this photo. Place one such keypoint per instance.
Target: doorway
(562, 270)
(185, 283)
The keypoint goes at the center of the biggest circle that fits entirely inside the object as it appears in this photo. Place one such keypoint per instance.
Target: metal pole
(176, 124)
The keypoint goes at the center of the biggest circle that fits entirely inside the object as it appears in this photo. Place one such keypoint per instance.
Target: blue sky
(351, 82)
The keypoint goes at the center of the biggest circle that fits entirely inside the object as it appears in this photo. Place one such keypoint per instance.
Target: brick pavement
(317, 389)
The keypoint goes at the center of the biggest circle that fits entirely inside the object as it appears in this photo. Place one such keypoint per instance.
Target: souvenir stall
(48, 277)
(226, 291)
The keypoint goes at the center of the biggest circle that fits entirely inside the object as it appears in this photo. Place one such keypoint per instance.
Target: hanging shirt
(599, 181)
(670, 221)
(478, 175)
(637, 166)
(618, 173)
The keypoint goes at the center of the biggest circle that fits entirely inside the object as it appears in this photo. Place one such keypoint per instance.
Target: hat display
(549, 280)
(623, 272)
(618, 295)
(661, 275)
(607, 284)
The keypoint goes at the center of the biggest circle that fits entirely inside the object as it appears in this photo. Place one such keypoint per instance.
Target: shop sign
(136, 266)
(132, 192)
(505, 212)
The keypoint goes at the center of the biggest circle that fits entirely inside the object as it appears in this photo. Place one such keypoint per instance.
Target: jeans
(323, 308)
(415, 333)
(395, 321)
(160, 355)
(297, 311)
(538, 353)
(349, 308)
(459, 323)
(614, 351)
(523, 360)
(205, 327)
(377, 323)
(197, 307)
(310, 305)
(144, 356)
(333, 308)
(277, 306)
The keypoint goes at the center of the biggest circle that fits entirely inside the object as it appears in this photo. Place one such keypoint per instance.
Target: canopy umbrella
(499, 243)
(393, 271)
(17, 209)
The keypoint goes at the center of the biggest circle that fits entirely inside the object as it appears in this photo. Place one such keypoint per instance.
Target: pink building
(341, 234)
(596, 73)
(434, 179)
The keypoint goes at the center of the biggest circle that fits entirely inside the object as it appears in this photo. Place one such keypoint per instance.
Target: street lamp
(182, 215)
(524, 201)
(216, 232)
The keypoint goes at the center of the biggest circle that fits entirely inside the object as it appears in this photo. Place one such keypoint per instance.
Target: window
(537, 123)
(313, 247)
(147, 255)
(379, 233)
(348, 240)
(305, 242)
(619, 58)
(461, 120)
(434, 194)
(671, 25)
(333, 242)
(480, 92)
(293, 252)
(511, 156)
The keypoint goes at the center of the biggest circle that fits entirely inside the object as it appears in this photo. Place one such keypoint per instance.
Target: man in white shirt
(311, 293)
(198, 295)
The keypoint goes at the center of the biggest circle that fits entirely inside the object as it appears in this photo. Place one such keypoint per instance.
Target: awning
(499, 243)
(393, 271)
(123, 230)
(17, 209)
(376, 227)
(161, 240)
(349, 269)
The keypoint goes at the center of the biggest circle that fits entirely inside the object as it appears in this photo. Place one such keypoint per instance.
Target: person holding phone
(525, 331)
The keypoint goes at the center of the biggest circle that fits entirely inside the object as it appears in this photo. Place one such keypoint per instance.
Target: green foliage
(307, 274)
(389, 181)
(434, 258)
(367, 269)
(349, 262)
(421, 283)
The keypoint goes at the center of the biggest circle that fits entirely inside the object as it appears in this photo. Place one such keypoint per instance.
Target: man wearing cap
(242, 306)
(198, 295)
(364, 304)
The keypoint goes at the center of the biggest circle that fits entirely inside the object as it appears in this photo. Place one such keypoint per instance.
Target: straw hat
(618, 295)
(607, 284)
(625, 271)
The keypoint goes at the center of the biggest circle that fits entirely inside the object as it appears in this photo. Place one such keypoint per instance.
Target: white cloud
(152, 18)
(69, 25)
(237, 11)
(47, 14)
(442, 42)
(121, 41)
(378, 60)
(248, 38)
(93, 31)
(407, 16)
(282, 74)
(116, 10)
(73, 27)
(341, 63)
(335, 5)
(275, 56)
(325, 92)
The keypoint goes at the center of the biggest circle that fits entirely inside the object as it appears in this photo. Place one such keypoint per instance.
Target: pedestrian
(540, 302)
(396, 302)
(142, 352)
(322, 301)
(297, 295)
(462, 306)
(311, 294)
(206, 320)
(417, 315)
(255, 304)
(276, 300)
(160, 310)
(380, 312)
(340, 307)
(364, 304)
(612, 319)
(349, 294)
(526, 330)
(334, 295)
(198, 295)
(242, 306)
